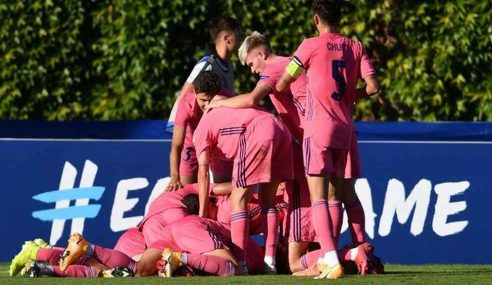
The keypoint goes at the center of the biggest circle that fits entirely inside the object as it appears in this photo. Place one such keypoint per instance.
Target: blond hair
(254, 40)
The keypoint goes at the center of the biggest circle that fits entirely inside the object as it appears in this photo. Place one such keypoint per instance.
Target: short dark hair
(207, 82)
(222, 23)
(192, 203)
(328, 10)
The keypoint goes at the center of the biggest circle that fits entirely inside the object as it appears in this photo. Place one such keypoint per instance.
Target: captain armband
(295, 67)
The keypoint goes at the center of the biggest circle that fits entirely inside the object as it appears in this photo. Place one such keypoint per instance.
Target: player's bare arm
(291, 73)
(371, 87)
(174, 158)
(245, 100)
(203, 182)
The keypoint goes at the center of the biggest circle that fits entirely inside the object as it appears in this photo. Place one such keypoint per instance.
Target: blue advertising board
(425, 187)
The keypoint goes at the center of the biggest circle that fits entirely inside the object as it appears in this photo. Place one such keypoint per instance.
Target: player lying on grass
(201, 244)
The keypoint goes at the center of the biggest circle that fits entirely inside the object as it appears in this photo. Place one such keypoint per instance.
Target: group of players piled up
(296, 170)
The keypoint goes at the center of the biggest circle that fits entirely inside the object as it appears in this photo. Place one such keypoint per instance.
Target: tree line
(125, 59)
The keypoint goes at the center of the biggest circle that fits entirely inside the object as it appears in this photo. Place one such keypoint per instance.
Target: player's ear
(316, 19)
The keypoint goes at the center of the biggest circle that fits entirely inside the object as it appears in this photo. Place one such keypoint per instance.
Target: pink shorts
(320, 160)
(131, 242)
(222, 166)
(352, 168)
(188, 165)
(297, 224)
(263, 160)
(195, 235)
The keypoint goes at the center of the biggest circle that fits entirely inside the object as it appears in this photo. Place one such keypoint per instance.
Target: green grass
(396, 274)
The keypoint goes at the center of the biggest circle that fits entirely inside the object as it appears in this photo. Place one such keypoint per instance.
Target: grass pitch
(395, 274)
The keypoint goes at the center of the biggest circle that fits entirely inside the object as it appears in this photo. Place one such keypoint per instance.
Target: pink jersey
(187, 116)
(288, 103)
(170, 200)
(333, 64)
(259, 143)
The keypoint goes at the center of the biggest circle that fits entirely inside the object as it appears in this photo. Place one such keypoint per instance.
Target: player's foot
(310, 271)
(362, 258)
(77, 246)
(171, 261)
(117, 272)
(243, 270)
(28, 252)
(31, 269)
(330, 272)
(42, 243)
(269, 269)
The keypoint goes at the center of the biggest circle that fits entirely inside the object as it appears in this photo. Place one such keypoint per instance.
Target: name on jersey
(337, 47)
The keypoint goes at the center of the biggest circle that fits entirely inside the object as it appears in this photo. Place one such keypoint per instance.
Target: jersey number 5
(336, 66)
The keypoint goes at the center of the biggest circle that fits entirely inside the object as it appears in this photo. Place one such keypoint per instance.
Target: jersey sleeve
(202, 138)
(183, 113)
(269, 78)
(366, 67)
(202, 65)
(303, 54)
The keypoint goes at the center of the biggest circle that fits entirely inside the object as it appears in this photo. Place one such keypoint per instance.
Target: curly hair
(207, 82)
(328, 10)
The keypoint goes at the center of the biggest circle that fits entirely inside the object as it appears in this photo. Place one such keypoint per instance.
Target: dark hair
(222, 23)
(192, 203)
(207, 82)
(328, 10)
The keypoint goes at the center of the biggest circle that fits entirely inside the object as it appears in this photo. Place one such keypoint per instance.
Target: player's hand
(174, 184)
(213, 104)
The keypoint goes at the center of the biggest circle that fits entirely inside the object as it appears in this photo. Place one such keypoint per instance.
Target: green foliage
(108, 59)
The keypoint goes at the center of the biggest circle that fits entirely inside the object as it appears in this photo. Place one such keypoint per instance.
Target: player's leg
(240, 223)
(355, 212)
(147, 264)
(317, 168)
(219, 262)
(269, 213)
(335, 208)
(296, 252)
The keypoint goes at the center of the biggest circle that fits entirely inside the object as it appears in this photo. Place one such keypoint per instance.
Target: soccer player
(255, 52)
(184, 169)
(261, 148)
(224, 31)
(333, 64)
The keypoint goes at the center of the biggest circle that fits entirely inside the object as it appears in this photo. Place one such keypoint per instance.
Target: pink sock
(75, 270)
(270, 230)
(336, 216)
(211, 264)
(50, 255)
(357, 223)
(239, 234)
(310, 258)
(112, 258)
(322, 224)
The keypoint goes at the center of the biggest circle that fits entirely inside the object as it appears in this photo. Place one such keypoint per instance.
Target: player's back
(332, 62)
(224, 128)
